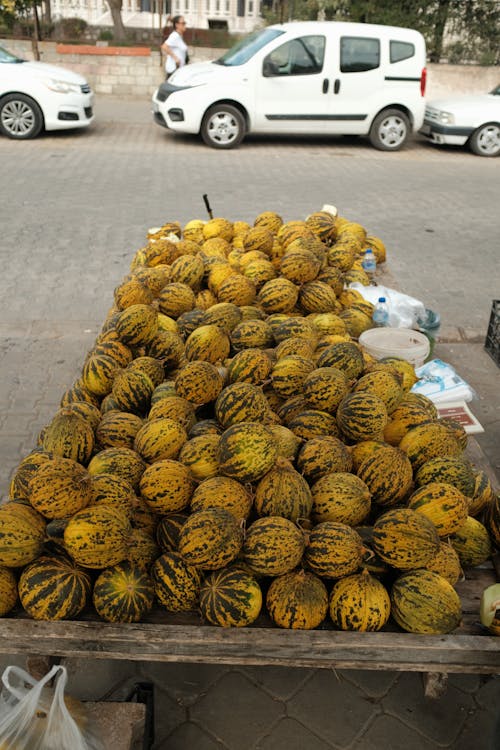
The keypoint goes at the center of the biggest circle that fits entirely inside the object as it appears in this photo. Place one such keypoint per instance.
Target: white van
(303, 77)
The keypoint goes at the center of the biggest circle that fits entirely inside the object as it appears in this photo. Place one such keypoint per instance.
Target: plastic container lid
(405, 343)
(381, 299)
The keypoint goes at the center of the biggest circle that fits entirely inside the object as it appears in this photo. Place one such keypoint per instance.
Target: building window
(240, 8)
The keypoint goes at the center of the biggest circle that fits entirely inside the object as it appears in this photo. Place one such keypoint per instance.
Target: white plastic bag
(34, 717)
(440, 382)
(404, 311)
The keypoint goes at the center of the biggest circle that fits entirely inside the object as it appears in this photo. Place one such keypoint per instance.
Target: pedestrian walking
(174, 47)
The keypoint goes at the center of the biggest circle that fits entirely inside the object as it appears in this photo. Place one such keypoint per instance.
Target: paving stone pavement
(73, 210)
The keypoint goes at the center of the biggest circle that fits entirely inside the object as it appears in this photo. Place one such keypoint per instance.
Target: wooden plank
(253, 646)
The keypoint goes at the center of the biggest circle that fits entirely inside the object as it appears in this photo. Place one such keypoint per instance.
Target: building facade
(233, 15)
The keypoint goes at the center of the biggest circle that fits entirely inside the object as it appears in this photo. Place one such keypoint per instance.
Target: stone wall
(136, 71)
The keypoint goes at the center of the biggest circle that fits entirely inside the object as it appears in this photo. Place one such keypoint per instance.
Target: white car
(36, 96)
(465, 119)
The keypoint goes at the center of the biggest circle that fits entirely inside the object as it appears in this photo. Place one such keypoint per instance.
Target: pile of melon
(230, 449)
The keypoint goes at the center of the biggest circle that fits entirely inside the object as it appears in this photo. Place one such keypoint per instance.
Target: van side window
(358, 54)
(299, 57)
(401, 51)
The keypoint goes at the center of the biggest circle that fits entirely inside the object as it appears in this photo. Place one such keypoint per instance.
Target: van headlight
(446, 118)
(62, 87)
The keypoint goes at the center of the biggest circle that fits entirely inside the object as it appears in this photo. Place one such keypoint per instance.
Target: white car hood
(461, 102)
(196, 74)
(45, 70)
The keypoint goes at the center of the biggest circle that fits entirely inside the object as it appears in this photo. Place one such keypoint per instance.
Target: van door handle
(336, 86)
(325, 85)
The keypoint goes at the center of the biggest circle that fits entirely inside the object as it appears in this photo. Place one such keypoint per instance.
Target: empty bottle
(381, 313)
(369, 263)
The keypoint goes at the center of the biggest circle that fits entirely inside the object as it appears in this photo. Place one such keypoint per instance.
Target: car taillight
(423, 81)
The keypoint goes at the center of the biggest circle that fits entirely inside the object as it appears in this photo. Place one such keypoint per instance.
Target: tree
(115, 7)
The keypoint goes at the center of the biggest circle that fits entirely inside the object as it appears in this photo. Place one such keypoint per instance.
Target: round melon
(341, 497)
(52, 588)
(321, 455)
(297, 600)
(246, 451)
(60, 488)
(122, 462)
(167, 486)
(273, 546)
(424, 602)
(359, 602)
(69, 436)
(230, 598)
(176, 582)
(361, 416)
(198, 382)
(97, 537)
(225, 493)
(200, 455)
(283, 492)
(405, 539)
(442, 504)
(123, 593)
(210, 539)
(159, 439)
(335, 550)
(388, 475)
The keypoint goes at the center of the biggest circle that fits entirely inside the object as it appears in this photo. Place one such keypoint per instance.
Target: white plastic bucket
(396, 342)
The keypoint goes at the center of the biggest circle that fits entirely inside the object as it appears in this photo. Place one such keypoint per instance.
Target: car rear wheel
(485, 141)
(390, 130)
(223, 126)
(20, 117)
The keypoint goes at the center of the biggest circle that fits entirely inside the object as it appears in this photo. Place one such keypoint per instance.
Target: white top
(176, 43)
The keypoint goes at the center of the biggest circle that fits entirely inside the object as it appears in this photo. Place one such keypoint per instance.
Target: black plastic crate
(492, 343)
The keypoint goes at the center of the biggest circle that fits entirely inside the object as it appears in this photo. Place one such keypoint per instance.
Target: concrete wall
(122, 72)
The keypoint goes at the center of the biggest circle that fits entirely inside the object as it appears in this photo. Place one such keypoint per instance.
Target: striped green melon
(198, 382)
(297, 600)
(109, 489)
(123, 593)
(205, 427)
(168, 530)
(442, 504)
(237, 289)
(341, 256)
(78, 392)
(335, 550)
(286, 327)
(189, 322)
(383, 384)
(317, 297)
(405, 539)
(188, 269)
(428, 441)
(69, 436)
(483, 494)
(208, 343)
(132, 391)
(240, 402)
(278, 296)
(176, 583)
(8, 590)
(200, 454)
(322, 455)
(324, 388)
(132, 292)
(472, 543)
(52, 588)
(167, 486)
(98, 373)
(449, 469)
(109, 404)
(226, 315)
(273, 546)
(287, 442)
(151, 366)
(225, 493)
(311, 423)
(345, 356)
(359, 602)
(259, 271)
(326, 324)
(22, 535)
(164, 390)
(143, 517)
(341, 497)
(249, 366)
(167, 347)
(269, 220)
(283, 492)
(230, 598)
(406, 416)
(299, 266)
(25, 470)
(297, 346)
(115, 349)
(364, 449)
(251, 334)
(159, 439)
(290, 408)
(137, 325)
(246, 451)
(388, 475)
(143, 549)
(424, 602)
(289, 374)
(361, 416)
(176, 298)
(210, 539)
(446, 563)
(117, 429)
(97, 537)
(60, 488)
(83, 409)
(259, 237)
(322, 223)
(122, 462)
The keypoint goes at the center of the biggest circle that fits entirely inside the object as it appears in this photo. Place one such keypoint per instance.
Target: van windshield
(247, 47)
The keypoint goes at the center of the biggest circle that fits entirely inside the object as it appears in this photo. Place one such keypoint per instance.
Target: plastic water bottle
(369, 263)
(381, 313)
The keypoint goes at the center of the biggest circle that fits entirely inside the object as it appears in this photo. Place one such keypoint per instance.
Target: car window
(298, 57)
(247, 47)
(401, 51)
(6, 57)
(358, 54)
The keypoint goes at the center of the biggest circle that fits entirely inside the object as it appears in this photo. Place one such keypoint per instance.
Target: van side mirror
(269, 69)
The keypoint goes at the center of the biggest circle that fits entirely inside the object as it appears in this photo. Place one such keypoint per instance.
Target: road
(73, 210)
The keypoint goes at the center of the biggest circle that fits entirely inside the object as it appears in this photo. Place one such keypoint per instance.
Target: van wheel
(223, 126)
(20, 117)
(390, 130)
(485, 141)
